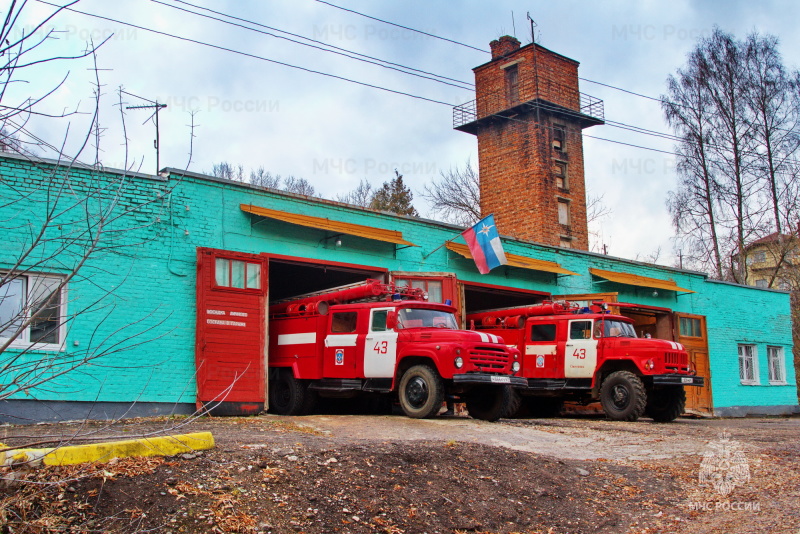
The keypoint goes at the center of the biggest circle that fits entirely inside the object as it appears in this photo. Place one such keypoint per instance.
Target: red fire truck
(586, 354)
(378, 339)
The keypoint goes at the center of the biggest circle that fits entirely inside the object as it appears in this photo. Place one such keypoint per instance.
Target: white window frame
(753, 358)
(23, 340)
(776, 363)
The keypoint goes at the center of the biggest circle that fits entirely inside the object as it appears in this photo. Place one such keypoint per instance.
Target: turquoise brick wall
(153, 277)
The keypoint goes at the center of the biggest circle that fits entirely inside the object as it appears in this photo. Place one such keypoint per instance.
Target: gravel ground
(346, 473)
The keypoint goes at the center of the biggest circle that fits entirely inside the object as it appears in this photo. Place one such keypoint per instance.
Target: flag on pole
(485, 245)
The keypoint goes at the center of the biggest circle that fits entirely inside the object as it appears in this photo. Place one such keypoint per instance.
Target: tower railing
(467, 112)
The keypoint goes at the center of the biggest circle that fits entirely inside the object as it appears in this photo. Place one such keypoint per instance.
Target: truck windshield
(611, 328)
(424, 318)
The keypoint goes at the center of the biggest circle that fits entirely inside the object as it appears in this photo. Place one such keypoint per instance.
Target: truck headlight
(458, 362)
(515, 367)
(649, 365)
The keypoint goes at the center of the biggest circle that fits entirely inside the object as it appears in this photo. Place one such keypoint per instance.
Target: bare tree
(228, 171)
(360, 196)
(456, 196)
(734, 108)
(299, 186)
(264, 178)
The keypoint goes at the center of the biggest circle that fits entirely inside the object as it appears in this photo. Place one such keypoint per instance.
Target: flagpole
(425, 257)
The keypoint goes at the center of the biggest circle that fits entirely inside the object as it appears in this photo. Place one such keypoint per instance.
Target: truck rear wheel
(488, 403)
(288, 395)
(421, 392)
(666, 404)
(623, 396)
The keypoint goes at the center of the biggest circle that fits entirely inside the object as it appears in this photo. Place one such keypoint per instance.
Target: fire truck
(585, 354)
(379, 340)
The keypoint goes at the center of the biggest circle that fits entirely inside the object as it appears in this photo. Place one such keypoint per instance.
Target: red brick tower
(528, 116)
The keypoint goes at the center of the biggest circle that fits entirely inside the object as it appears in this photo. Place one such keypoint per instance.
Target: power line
(404, 27)
(247, 54)
(403, 93)
(614, 124)
(308, 44)
(322, 43)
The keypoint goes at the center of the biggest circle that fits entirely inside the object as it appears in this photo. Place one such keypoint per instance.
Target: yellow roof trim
(637, 280)
(378, 234)
(516, 261)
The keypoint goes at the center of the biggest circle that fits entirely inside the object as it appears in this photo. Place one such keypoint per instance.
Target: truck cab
(587, 354)
(403, 348)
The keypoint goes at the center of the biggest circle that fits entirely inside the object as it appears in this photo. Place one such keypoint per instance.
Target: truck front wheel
(488, 403)
(666, 404)
(288, 395)
(421, 392)
(623, 396)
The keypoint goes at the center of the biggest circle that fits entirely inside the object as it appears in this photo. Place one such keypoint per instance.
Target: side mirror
(391, 320)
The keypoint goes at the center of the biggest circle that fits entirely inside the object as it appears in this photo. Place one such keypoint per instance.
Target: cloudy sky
(253, 111)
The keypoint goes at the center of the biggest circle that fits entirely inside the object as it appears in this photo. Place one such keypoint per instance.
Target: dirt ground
(392, 474)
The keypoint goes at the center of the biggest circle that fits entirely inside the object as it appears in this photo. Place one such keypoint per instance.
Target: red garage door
(230, 352)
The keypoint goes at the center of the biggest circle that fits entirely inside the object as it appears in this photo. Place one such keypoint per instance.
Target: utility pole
(157, 142)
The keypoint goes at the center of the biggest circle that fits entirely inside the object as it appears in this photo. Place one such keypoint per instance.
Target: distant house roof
(771, 238)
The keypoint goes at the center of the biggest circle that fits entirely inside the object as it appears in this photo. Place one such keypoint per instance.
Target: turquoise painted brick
(153, 280)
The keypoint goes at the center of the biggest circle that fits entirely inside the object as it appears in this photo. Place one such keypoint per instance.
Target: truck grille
(678, 361)
(489, 358)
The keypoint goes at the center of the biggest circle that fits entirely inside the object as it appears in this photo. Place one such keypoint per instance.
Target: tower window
(512, 84)
(559, 137)
(560, 172)
(563, 212)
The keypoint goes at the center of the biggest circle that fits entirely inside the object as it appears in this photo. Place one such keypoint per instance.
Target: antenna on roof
(533, 25)
(514, 26)
(156, 107)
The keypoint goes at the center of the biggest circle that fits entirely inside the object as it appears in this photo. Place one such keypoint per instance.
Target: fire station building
(168, 310)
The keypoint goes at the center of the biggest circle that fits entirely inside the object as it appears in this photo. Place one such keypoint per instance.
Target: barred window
(748, 371)
(777, 365)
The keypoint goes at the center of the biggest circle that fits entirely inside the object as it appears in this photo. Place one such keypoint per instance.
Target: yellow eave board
(378, 234)
(516, 261)
(637, 280)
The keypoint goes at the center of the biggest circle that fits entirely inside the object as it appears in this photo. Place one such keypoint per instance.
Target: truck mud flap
(678, 380)
(486, 378)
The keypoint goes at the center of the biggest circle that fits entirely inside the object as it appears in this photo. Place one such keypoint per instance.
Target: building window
(777, 365)
(565, 243)
(559, 137)
(748, 370)
(762, 283)
(560, 172)
(563, 212)
(760, 257)
(512, 84)
(237, 274)
(432, 287)
(37, 296)
(691, 327)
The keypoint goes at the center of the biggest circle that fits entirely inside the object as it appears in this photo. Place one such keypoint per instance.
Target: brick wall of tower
(516, 157)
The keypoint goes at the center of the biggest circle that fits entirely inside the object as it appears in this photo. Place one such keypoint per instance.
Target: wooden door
(692, 335)
(230, 348)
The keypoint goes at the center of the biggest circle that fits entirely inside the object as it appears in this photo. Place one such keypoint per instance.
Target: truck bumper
(487, 378)
(678, 380)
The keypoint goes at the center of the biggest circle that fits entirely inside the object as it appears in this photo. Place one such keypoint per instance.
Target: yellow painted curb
(103, 452)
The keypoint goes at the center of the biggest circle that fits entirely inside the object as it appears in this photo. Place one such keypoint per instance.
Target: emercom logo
(724, 466)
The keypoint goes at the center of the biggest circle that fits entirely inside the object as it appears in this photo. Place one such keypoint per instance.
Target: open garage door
(478, 297)
(290, 277)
